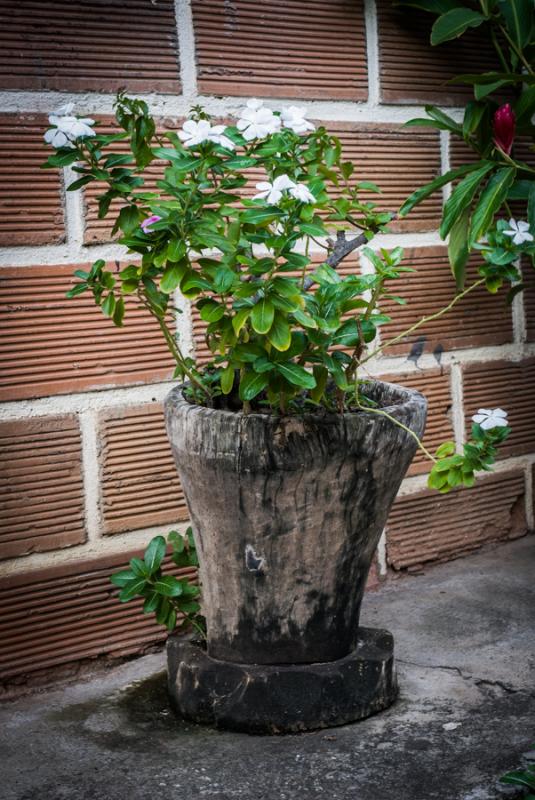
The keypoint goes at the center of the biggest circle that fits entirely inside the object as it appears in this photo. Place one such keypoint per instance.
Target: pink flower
(504, 128)
(145, 225)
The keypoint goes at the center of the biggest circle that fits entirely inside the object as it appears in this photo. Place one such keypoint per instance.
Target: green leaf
(261, 216)
(63, 158)
(424, 191)
(132, 589)
(239, 163)
(211, 311)
(227, 379)
(172, 276)
(262, 315)
(297, 375)
(525, 105)
(458, 247)
(154, 554)
(122, 578)
(454, 23)
(280, 334)
(251, 384)
(443, 119)
(518, 16)
(445, 449)
(239, 319)
(108, 306)
(462, 196)
(151, 603)
(75, 185)
(490, 202)
(312, 229)
(168, 586)
(531, 207)
(304, 319)
(473, 115)
(118, 313)
(223, 279)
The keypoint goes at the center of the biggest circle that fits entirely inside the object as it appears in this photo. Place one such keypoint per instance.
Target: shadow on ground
(466, 658)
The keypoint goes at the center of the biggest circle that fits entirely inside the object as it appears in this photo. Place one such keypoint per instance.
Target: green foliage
(525, 778)
(457, 469)
(244, 265)
(495, 178)
(167, 597)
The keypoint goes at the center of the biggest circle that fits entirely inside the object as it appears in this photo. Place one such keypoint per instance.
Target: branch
(342, 248)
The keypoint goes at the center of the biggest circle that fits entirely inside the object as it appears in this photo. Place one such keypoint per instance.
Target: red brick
(511, 386)
(89, 45)
(428, 526)
(435, 385)
(42, 496)
(412, 70)
(30, 198)
(74, 614)
(52, 345)
(140, 486)
(477, 320)
(281, 48)
(398, 160)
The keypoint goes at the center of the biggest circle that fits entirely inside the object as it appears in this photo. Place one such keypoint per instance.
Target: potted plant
(289, 454)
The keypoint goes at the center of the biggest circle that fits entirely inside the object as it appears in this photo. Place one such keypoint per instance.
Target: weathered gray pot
(287, 513)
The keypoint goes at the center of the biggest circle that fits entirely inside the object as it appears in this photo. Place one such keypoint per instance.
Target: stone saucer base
(282, 698)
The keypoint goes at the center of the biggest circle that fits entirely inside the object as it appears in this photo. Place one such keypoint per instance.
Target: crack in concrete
(477, 682)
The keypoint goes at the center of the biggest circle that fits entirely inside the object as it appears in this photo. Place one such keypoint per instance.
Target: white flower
(489, 418)
(67, 128)
(194, 133)
(257, 122)
(294, 118)
(272, 192)
(302, 193)
(519, 231)
(65, 110)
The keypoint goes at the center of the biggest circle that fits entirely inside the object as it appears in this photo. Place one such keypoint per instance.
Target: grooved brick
(53, 345)
(281, 48)
(42, 497)
(139, 483)
(427, 526)
(74, 614)
(30, 198)
(509, 385)
(89, 45)
(412, 70)
(435, 385)
(479, 319)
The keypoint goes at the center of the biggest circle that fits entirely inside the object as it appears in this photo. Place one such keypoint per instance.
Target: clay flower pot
(287, 513)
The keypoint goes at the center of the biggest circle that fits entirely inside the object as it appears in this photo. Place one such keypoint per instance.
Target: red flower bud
(504, 128)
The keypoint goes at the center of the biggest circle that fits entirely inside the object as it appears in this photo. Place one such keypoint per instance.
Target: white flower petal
(523, 225)
(65, 110)
(499, 412)
(282, 182)
(255, 104)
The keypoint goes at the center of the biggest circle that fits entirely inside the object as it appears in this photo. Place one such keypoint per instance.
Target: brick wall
(87, 473)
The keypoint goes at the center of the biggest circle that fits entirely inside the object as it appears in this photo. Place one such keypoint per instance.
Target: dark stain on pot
(254, 563)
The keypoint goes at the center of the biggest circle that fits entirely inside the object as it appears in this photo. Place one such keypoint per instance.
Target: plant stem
(517, 50)
(424, 320)
(400, 425)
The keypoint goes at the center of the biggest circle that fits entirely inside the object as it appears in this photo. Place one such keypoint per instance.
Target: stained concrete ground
(465, 645)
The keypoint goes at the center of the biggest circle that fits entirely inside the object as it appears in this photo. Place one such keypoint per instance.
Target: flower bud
(504, 128)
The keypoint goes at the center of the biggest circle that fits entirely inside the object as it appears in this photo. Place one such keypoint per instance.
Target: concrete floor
(466, 656)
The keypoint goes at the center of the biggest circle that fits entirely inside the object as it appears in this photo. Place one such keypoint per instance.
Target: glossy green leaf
(227, 379)
(262, 315)
(280, 334)
(424, 191)
(454, 23)
(122, 578)
(154, 554)
(462, 196)
(132, 589)
(490, 202)
(168, 586)
(519, 18)
(297, 375)
(458, 247)
(251, 384)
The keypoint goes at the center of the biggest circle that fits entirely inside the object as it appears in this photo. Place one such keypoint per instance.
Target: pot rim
(407, 397)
